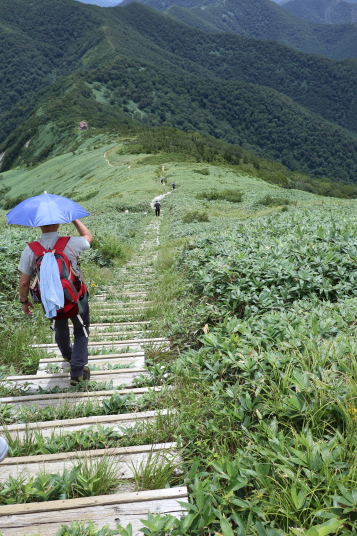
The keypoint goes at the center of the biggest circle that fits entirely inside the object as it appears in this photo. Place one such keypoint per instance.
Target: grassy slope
(213, 405)
(85, 173)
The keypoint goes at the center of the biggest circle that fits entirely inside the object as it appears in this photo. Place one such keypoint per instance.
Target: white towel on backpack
(52, 296)
(3, 448)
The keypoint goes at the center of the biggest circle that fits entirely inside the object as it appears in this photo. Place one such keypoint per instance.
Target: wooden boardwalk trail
(120, 337)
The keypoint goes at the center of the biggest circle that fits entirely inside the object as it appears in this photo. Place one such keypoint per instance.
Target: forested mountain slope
(324, 11)
(140, 66)
(324, 86)
(262, 19)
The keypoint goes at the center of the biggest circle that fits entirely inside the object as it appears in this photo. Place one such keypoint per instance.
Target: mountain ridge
(141, 67)
(262, 19)
(324, 11)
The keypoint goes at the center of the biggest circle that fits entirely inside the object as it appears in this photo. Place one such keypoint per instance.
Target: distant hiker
(163, 167)
(157, 207)
(64, 256)
(162, 180)
(173, 186)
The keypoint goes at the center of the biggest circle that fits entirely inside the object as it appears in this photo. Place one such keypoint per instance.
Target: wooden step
(131, 297)
(73, 397)
(46, 518)
(136, 362)
(126, 458)
(128, 342)
(103, 325)
(113, 315)
(119, 311)
(117, 336)
(94, 357)
(127, 304)
(46, 382)
(118, 423)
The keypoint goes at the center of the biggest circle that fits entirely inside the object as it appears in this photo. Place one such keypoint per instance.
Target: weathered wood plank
(116, 422)
(120, 304)
(136, 362)
(50, 381)
(72, 397)
(136, 497)
(126, 342)
(48, 523)
(126, 460)
(93, 358)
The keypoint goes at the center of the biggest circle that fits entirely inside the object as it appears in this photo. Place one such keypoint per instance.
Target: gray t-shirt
(75, 246)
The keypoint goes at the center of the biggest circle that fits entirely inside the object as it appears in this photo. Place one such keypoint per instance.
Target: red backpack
(73, 286)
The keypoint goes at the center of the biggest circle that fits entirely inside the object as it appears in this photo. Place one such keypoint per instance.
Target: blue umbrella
(45, 209)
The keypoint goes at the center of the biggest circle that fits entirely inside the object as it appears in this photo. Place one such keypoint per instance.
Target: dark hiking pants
(78, 352)
(157, 211)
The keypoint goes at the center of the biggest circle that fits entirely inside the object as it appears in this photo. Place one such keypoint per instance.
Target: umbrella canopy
(45, 209)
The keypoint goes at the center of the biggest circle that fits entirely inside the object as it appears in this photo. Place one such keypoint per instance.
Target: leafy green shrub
(82, 529)
(270, 201)
(106, 249)
(195, 216)
(234, 196)
(273, 264)
(88, 478)
(204, 171)
(8, 203)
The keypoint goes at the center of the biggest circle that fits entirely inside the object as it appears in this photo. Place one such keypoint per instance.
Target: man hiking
(76, 355)
(157, 207)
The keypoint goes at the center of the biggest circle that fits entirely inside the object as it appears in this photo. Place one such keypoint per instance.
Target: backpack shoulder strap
(61, 244)
(37, 248)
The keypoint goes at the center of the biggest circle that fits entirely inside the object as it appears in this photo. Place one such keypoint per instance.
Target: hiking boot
(84, 378)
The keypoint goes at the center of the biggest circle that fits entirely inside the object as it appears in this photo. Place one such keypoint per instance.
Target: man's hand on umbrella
(26, 308)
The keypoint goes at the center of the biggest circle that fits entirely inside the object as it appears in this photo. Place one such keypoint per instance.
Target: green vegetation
(157, 472)
(264, 20)
(233, 196)
(326, 11)
(268, 391)
(270, 201)
(87, 478)
(83, 529)
(195, 216)
(260, 308)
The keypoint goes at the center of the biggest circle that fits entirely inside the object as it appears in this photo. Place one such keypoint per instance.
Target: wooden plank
(126, 460)
(49, 523)
(136, 362)
(49, 381)
(121, 343)
(93, 358)
(100, 500)
(118, 423)
(73, 397)
(114, 324)
(133, 306)
(143, 333)
(61, 375)
(42, 458)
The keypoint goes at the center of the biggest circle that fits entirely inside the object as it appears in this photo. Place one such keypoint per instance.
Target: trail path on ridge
(120, 338)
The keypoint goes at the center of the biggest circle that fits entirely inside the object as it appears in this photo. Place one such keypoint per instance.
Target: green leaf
(329, 527)
(226, 527)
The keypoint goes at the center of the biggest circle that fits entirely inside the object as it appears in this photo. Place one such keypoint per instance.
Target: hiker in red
(76, 308)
